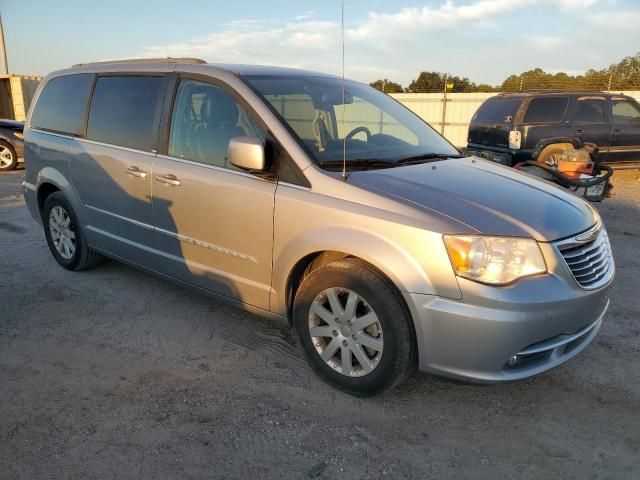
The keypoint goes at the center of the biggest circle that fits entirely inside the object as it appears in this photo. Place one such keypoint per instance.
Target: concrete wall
(460, 109)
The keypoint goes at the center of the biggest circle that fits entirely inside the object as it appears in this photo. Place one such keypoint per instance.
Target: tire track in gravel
(271, 340)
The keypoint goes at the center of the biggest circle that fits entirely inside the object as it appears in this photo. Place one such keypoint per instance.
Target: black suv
(513, 127)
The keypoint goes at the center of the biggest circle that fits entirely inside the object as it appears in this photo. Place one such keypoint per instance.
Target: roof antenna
(344, 132)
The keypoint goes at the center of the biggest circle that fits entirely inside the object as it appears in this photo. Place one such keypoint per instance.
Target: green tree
(624, 75)
(433, 82)
(427, 82)
(387, 86)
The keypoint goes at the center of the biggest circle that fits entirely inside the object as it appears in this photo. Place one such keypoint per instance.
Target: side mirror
(247, 153)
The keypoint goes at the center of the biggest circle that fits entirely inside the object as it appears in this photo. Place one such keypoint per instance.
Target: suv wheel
(354, 331)
(8, 156)
(552, 153)
(64, 236)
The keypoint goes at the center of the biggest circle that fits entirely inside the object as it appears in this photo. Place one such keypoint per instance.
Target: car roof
(190, 64)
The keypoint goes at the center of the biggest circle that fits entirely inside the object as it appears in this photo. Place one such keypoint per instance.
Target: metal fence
(450, 114)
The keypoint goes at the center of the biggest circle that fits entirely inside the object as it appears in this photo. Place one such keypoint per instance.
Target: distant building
(16, 93)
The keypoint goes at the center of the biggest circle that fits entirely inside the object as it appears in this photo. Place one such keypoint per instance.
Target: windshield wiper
(358, 163)
(371, 163)
(425, 157)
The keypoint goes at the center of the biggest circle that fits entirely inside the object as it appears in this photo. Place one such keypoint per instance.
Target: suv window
(125, 111)
(590, 110)
(497, 110)
(624, 111)
(205, 118)
(546, 110)
(62, 104)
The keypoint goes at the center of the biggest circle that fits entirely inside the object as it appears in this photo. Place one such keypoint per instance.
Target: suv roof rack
(543, 90)
(185, 60)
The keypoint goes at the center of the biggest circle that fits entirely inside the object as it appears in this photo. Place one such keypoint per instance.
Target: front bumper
(507, 333)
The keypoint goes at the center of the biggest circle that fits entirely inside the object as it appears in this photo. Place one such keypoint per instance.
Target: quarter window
(590, 110)
(623, 111)
(62, 105)
(125, 111)
(205, 119)
(546, 110)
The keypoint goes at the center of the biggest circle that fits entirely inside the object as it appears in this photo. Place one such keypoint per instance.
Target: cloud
(306, 15)
(618, 19)
(399, 44)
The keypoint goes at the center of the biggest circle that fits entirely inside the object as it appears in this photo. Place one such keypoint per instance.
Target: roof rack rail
(144, 60)
(544, 90)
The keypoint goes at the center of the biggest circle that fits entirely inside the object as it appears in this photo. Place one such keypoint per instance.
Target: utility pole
(3, 50)
(444, 103)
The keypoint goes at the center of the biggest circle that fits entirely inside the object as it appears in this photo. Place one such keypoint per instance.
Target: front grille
(590, 263)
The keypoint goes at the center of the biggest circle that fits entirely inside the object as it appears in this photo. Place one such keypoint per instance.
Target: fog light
(513, 360)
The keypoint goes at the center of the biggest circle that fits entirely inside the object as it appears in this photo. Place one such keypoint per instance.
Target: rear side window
(497, 110)
(125, 111)
(590, 110)
(546, 110)
(62, 105)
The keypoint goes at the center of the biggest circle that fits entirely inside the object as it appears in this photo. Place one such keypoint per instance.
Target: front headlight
(494, 260)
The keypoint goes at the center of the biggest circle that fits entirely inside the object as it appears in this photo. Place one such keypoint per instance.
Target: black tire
(397, 358)
(83, 257)
(14, 157)
(549, 151)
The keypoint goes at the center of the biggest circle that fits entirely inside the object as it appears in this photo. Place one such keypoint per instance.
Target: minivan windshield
(374, 130)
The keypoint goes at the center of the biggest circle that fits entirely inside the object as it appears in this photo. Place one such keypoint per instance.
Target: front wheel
(353, 328)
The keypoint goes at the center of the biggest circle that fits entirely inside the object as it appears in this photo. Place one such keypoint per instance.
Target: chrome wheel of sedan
(346, 332)
(62, 234)
(6, 157)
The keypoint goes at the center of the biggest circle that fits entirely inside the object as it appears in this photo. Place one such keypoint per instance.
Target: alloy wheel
(346, 332)
(62, 234)
(6, 156)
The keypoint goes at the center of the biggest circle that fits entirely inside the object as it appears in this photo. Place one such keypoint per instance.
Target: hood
(487, 197)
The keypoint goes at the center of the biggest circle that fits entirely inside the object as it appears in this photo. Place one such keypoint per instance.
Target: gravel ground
(112, 373)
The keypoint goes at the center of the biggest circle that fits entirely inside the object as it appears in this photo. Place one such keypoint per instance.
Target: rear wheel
(64, 235)
(353, 328)
(8, 156)
(551, 154)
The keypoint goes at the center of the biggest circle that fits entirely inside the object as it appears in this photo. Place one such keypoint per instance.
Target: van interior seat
(219, 124)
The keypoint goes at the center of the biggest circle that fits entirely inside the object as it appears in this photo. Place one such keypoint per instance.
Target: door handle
(135, 172)
(169, 180)
(616, 131)
(579, 132)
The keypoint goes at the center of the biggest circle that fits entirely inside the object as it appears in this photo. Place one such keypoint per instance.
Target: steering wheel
(356, 131)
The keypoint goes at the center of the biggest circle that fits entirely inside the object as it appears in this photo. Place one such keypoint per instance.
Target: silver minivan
(303, 196)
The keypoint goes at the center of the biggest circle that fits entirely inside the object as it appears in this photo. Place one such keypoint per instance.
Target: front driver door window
(214, 223)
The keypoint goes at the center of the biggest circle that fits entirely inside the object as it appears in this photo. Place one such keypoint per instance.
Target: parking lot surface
(113, 373)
